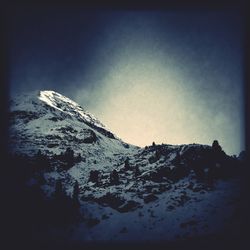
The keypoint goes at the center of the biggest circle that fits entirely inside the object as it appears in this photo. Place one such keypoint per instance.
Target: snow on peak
(66, 105)
(51, 122)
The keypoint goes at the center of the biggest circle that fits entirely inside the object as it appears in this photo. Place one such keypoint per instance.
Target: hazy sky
(171, 77)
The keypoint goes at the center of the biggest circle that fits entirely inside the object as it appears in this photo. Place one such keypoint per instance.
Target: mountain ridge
(168, 192)
(54, 110)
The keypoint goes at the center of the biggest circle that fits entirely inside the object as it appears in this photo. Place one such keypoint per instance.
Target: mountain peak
(42, 118)
(66, 105)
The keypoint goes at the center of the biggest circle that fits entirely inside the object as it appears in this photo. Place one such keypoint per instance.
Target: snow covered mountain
(168, 192)
(51, 122)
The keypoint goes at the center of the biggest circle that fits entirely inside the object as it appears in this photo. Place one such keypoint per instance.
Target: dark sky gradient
(168, 76)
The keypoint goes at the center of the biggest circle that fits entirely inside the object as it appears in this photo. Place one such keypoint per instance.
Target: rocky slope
(51, 122)
(168, 192)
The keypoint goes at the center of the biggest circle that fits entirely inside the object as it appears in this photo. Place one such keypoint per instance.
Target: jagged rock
(111, 200)
(90, 138)
(150, 198)
(128, 206)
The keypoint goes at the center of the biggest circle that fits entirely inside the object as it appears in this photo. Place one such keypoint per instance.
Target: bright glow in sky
(146, 102)
(171, 77)
(169, 86)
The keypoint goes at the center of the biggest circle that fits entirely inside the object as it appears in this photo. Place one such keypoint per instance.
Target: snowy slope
(167, 219)
(158, 194)
(51, 122)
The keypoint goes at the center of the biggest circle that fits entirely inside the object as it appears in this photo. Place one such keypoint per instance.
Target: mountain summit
(51, 122)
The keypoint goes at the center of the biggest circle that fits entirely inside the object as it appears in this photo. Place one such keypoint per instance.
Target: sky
(168, 76)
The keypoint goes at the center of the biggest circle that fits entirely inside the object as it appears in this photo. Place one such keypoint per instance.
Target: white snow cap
(64, 104)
